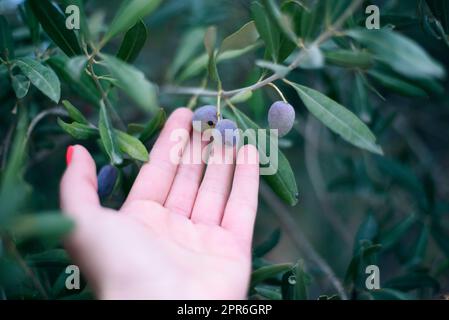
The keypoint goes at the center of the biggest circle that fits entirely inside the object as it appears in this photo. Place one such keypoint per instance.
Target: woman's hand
(179, 235)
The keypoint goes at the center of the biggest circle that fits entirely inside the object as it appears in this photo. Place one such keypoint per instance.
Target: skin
(179, 235)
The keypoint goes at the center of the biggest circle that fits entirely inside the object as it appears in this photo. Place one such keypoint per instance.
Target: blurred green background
(399, 200)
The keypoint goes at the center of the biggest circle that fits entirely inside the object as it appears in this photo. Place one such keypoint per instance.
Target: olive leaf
(154, 126)
(131, 146)
(78, 130)
(189, 46)
(283, 181)
(42, 77)
(133, 42)
(402, 54)
(83, 86)
(282, 20)
(244, 37)
(268, 272)
(267, 29)
(42, 224)
(128, 15)
(108, 136)
(53, 21)
(74, 113)
(21, 85)
(349, 58)
(338, 118)
(133, 82)
(396, 84)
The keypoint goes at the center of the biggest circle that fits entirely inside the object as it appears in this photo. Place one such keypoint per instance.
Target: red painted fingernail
(68, 155)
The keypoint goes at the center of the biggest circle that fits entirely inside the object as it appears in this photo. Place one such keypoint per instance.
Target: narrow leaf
(133, 42)
(78, 130)
(154, 126)
(42, 77)
(402, 54)
(21, 85)
(53, 21)
(338, 118)
(74, 113)
(244, 37)
(133, 83)
(129, 14)
(131, 146)
(108, 137)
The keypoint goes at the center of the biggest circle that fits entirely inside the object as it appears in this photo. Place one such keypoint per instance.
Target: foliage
(377, 173)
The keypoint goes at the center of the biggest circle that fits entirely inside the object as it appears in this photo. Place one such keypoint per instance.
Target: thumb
(78, 189)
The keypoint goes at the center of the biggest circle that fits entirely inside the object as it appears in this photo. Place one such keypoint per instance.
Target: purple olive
(281, 116)
(228, 131)
(207, 116)
(106, 180)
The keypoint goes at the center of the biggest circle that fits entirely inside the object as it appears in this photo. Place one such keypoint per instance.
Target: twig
(276, 76)
(57, 111)
(298, 238)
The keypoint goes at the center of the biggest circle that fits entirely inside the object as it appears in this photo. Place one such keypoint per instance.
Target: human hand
(179, 235)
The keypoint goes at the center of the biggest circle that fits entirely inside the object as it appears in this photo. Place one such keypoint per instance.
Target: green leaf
(6, 42)
(74, 113)
(268, 244)
(301, 281)
(21, 85)
(42, 224)
(133, 42)
(129, 14)
(392, 236)
(154, 126)
(338, 118)
(349, 58)
(131, 146)
(283, 182)
(84, 86)
(108, 137)
(268, 272)
(84, 25)
(396, 84)
(191, 43)
(279, 69)
(42, 77)
(49, 257)
(282, 20)
(133, 83)
(244, 37)
(199, 64)
(267, 29)
(30, 19)
(402, 54)
(367, 252)
(53, 21)
(368, 230)
(78, 130)
(76, 66)
(241, 97)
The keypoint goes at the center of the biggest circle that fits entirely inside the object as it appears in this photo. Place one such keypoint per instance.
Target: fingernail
(68, 155)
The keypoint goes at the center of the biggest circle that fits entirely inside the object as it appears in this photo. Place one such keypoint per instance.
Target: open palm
(181, 234)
